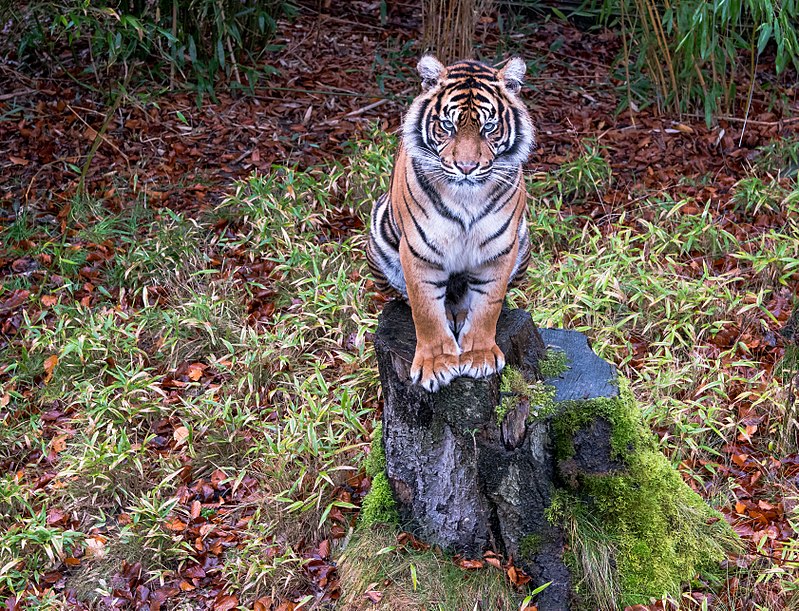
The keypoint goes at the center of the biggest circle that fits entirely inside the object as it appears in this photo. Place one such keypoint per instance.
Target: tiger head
(469, 125)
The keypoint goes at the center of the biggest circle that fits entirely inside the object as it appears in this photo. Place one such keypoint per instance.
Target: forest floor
(187, 386)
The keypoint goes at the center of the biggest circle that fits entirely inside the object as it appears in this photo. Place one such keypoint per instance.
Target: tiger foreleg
(435, 362)
(480, 355)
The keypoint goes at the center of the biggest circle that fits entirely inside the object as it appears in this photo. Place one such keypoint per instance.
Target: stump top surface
(588, 376)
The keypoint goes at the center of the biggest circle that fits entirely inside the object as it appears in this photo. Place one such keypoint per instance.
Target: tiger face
(469, 126)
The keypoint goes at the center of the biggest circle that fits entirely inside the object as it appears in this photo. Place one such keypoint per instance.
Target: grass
(406, 578)
(225, 360)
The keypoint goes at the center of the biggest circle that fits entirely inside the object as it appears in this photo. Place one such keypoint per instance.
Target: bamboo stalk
(173, 64)
(233, 63)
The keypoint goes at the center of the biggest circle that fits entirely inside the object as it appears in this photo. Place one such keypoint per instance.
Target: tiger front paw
(435, 366)
(481, 362)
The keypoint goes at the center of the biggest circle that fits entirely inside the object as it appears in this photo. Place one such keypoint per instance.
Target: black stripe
(501, 253)
(434, 196)
(387, 233)
(439, 285)
(505, 203)
(423, 235)
(501, 188)
(413, 198)
(471, 67)
(516, 144)
(497, 233)
(432, 264)
(422, 122)
(471, 96)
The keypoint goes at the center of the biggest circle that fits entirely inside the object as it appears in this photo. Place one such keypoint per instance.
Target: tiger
(450, 235)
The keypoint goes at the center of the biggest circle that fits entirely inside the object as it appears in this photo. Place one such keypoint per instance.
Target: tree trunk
(468, 483)
(449, 27)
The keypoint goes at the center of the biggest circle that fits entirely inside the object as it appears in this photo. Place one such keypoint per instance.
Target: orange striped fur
(450, 235)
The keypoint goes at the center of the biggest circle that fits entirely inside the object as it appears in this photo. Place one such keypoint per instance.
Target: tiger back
(450, 234)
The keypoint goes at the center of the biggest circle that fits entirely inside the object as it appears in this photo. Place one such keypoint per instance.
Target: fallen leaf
(469, 565)
(493, 561)
(49, 364)
(324, 549)
(49, 300)
(517, 577)
(180, 435)
(175, 524)
(59, 444)
(226, 603)
(262, 604)
(746, 434)
(95, 547)
(195, 371)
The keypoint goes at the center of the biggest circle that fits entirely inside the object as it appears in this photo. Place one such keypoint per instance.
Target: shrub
(691, 51)
(193, 39)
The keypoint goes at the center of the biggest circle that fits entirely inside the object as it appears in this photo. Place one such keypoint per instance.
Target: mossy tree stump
(513, 463)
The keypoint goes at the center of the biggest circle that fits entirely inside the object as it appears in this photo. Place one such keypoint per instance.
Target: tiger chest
(467, 249)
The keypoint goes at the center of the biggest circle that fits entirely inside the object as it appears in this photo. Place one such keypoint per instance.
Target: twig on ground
(366, 108)
(106, 140)
(15, 94)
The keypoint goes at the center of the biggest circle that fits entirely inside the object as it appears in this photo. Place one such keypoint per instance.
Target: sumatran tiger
(450, 235)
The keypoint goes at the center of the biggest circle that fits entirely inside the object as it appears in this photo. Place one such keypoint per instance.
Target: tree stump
(468, 483)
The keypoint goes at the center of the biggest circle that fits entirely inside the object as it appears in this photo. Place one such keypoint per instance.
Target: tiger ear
(431, 70)
(513, 74)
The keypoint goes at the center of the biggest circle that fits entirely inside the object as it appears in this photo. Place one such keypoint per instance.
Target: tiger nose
(467, 167)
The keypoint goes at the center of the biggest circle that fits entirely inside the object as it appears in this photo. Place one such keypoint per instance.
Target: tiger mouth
(469, 179)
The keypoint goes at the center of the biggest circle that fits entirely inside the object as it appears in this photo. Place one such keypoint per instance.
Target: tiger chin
(450, 235)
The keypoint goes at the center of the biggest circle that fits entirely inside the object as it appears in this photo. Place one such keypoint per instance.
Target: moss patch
(529, 546)
(553, 364)
(376, 461)
(638, 534)
(629, 433)
(514, 388)
(378, 505)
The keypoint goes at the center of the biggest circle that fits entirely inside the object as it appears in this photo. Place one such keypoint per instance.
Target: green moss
(638, 534)
(542, 400)
(514, 387)
(506, 405)
(553, 364)
(378, 505)
(376, 461)
(529, 546)
(629, 434)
